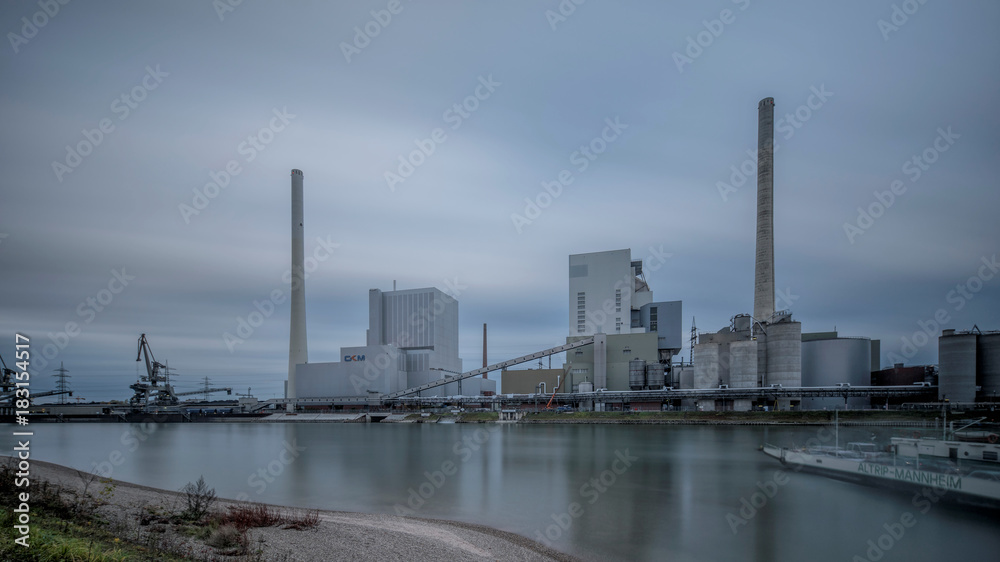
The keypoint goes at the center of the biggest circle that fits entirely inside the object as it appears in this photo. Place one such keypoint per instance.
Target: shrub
(227, 537)
(199, 499)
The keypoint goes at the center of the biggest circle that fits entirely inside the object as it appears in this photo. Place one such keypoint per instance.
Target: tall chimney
(297, 351)
(763, 293)
(484, 348)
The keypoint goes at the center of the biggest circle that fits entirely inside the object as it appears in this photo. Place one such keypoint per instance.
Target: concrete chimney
(297, 351)
(485, 364)
(763, 294)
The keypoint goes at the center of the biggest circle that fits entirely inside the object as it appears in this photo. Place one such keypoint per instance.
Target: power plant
(621, 345)
(620, 349)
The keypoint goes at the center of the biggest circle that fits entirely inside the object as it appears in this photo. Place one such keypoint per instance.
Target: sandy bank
(339, 535)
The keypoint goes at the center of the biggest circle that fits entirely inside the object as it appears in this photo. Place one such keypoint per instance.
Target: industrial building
(620, 340)
(636, 338)
(969, 366)
(412, 340)
(901, 375)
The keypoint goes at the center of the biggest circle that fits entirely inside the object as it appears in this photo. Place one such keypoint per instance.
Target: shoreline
(339, 535)
(915, 419)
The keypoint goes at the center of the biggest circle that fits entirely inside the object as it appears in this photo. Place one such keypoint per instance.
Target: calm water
(622, 493)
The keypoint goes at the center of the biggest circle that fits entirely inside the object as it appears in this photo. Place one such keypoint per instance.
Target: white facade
(604, 289)
(412, 340)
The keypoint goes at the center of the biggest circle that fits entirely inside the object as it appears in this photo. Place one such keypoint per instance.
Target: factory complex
(622, 346)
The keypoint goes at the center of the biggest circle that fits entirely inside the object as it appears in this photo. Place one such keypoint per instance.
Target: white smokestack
(297, 351)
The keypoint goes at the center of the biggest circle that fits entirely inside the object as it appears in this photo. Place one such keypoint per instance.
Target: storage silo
(784, 357)
(654, 376)
(637, 374)
(706, 366)
(829, 362)
(742, 370)
(988, 363)
(957, 366)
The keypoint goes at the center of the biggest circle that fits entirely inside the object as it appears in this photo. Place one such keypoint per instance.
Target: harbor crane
(154, 388)
(8, 388)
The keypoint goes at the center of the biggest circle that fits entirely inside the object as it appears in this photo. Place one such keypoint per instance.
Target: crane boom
(144, 348)
(225, 389)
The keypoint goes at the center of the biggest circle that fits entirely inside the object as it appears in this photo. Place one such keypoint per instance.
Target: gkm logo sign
(354, 358)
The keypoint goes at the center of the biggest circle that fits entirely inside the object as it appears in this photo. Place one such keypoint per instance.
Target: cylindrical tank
(989, 367)
(784, 354)
(743, 364)
(586, 386)
(834, 361)
(706, 366)
(654, 376)
(957, 367)
(636, 374)
(685, 378)
(784, 358)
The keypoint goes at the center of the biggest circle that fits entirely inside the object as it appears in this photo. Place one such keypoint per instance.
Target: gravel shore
(339, 535)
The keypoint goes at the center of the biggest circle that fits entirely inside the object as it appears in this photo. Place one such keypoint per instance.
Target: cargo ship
(966, 472)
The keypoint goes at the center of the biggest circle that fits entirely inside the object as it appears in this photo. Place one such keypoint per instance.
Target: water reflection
(670, 503)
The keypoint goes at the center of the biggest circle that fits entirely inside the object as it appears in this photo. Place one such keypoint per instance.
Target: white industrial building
(412, 339)
(609, 296)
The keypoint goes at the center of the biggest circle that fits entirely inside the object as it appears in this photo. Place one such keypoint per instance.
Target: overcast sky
(343, 91)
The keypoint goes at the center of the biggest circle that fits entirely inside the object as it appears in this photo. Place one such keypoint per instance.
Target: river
(600, 492)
